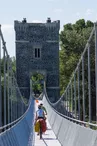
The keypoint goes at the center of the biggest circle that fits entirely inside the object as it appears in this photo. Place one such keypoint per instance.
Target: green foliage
(37, 83)
(6, 74)
(73, 39)
(13, 64)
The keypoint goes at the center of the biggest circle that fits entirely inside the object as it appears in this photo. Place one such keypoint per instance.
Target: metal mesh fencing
(12, 104)
(79, 101)
(67, 132)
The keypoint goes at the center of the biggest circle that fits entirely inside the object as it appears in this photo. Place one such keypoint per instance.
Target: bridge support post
(96, 65)
(4, 55)
(89, 83)
(0, 84)
(8, 90)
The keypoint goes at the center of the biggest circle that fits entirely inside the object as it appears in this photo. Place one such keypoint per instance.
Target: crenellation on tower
(20, 26)
(54, 24)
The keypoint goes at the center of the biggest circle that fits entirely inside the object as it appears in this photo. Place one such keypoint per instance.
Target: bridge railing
(79, 101)
(12, 104)
(68, 133)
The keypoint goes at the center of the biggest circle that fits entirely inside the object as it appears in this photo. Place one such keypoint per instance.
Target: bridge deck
(49, 138)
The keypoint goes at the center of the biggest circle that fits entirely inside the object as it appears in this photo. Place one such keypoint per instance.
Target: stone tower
(37, 50)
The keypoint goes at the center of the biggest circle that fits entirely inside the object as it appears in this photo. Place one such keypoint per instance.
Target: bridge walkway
(49, 138)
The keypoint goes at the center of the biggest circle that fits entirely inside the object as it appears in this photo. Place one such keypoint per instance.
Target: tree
(12, 61)
(37, 83)
(73, 40)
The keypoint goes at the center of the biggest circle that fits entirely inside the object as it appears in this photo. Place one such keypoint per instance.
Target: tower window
(37, 52)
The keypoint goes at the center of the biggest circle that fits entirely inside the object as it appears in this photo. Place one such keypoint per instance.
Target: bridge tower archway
(37, 77)
(37, 50)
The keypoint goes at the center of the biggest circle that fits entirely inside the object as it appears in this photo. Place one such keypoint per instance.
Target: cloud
(36, 21)
(9, 37)
(58, 10)
(78, 14)
(7, 28)
(52, 0)
(96, 17)
(89, 12)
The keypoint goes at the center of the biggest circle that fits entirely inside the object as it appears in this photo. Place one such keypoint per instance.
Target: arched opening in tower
(37, 84)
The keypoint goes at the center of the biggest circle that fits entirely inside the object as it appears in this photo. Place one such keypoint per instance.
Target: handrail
(14, 103)
(69, 118)
(86, 47)
(12, 123)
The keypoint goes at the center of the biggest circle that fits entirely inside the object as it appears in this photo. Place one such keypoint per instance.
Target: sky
(67, 11)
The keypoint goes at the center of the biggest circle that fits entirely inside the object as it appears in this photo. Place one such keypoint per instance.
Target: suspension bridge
(72, 117)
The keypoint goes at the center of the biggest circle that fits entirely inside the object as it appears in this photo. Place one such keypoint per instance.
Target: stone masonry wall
(46, 37)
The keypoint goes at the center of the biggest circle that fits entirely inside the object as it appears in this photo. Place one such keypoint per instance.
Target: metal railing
(79, 101)
(68, 133)
(12, 104)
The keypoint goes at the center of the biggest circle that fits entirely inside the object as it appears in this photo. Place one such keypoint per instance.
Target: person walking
(44, 109)
(40, 117)
(40, 113)
(45, 112)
